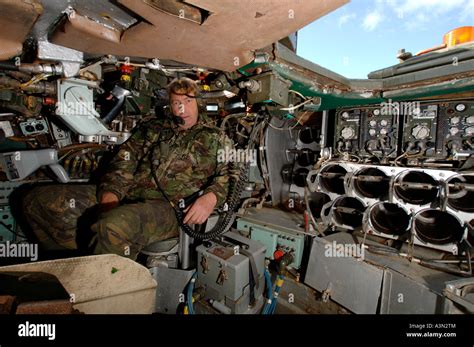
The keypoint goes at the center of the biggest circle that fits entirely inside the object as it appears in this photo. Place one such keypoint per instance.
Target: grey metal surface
(104, 12)
(425, 61)
(276, 143)
(224, 272)
(398, 285)
(459, 296)
(76, 109)
(275, 218)
(20, 164)
(171, 283)
(184, 248)
(348, 281)
(401, 295)
(70, 58)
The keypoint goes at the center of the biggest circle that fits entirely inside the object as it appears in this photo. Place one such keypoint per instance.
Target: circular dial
(460, 107)
(384, 122)
(455, 120)
(347, 133)
(373, 123)
(372, 132)
(453, 131)
(470, 120)
(376, 112)
(420, 132)
(383, 131)
(470, 131)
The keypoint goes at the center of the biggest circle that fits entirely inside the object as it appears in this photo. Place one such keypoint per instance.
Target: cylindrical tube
(348, 211)
(416, 187)
(371, 183)
(437, 227)
(331, 179)
(460, 197)
(388, 218)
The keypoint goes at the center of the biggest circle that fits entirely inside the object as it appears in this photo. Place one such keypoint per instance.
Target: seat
(175, 252)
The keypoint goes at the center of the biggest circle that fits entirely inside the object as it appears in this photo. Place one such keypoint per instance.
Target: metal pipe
(6, 65)
(121, 94)
(184, 249)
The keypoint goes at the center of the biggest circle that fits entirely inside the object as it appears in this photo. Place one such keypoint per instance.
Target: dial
(372, 132)
(470, 120)
(470, 131)
(453, 131)
(455, 120)
(420, 132)
(460, 107)
(376, 112)
(383, 131)
(373, 123)
(347, 133)
(384, 122)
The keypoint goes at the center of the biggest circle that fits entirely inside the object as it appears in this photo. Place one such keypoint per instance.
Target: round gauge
(383, 131)
(453, 131)
(455, 120)
(420, 132)
(373, 123)
(347, 133)
(460, 107)
(384, 122)
(345, 114)
(470, 120)
(372, 132)
(469, 131)
(376, 112)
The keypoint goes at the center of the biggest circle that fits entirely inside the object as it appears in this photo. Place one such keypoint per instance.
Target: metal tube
(184, 249)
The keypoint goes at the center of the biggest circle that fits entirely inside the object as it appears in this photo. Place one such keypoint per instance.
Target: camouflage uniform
(181, 161)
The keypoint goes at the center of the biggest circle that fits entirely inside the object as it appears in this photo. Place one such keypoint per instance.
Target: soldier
(161, 164)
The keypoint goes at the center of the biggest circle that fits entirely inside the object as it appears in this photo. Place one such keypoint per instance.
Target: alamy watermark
(396, 108)
(37, 330)
(19, 250)
(232, 155)
(343, 250)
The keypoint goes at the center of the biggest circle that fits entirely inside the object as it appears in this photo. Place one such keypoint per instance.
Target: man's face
(186, 108)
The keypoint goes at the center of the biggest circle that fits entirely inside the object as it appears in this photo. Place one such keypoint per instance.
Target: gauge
(347, 133)
(470, 120)
(372, 132)
(383, 131)
(384, 122)
(420, 132)
(455, 120)
(470, 131)
(460, 107)
(372, 123)
(453, 131)
(376, 112)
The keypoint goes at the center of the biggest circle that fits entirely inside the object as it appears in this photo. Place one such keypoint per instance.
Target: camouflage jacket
(183, 161)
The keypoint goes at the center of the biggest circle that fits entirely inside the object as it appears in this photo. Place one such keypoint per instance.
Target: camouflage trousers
(66, 217)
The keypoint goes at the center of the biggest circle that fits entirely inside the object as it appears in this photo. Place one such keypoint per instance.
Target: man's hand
(108, 201)
(201, 209)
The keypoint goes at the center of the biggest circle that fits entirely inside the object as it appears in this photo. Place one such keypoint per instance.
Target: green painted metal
(272, 238)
